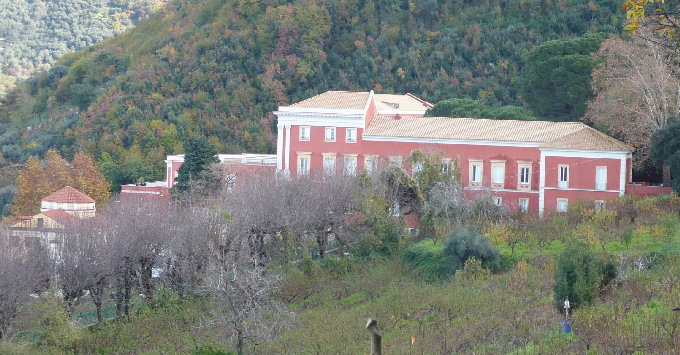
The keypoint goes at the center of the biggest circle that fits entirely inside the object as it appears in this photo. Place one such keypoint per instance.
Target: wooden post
(376, 336)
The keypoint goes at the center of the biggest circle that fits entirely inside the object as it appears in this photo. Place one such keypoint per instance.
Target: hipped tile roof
(68, 195)
(558, 135)
(335, 100)
(59, 216)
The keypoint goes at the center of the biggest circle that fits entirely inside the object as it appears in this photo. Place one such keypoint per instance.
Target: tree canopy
(666, 149)
(556, 79)
(36, 181)
(470, 108)
(200, 154)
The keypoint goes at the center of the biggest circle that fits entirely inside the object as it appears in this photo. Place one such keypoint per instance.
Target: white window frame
(523, 204)
(524, 185)
(303, 169)
(497, 200)
(330, 134)
(496, 165)
(563, 176)
(566, 205)
(350, 164)
(600, 182)
(396, 160)
(351, 133)
(370, 163)
(327, 157)
(308, 129)
(472, 163)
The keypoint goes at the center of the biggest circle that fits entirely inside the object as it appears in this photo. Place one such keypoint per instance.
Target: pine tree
(200, 154)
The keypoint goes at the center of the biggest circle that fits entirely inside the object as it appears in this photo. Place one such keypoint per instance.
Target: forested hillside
(218, 68)
(34, 34)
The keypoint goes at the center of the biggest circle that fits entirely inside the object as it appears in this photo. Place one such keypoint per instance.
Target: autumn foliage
(37, 180)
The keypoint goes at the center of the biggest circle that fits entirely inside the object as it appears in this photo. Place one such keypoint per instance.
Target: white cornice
(320, 119)
(576, 153)
(315, 110)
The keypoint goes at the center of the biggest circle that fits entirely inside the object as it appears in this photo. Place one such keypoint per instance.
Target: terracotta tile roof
(59, 216)
(588, 139)
(335, 100)
(539, 132)
(68, 195)
(399, 102)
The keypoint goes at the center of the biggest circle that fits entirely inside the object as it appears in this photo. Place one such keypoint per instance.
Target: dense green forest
(218, 69)
(34, 34)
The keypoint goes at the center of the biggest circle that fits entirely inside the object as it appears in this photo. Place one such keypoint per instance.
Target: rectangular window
(231, 178)
(303, 163)
(497, 173)
(563, 181)
(350, 164)
(329, 163)
(370, 163)
(304, 133)
(600, 206)
(351, 135)
(476, 172)
(523, 204)
(562, 204)
(497, 201)
(330, 134)
(447, 165)
(417, 167)
(524, 175)
(601, 178)
(395, 160)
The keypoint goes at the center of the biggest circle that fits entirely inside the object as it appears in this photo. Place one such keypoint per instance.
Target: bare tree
(636, 91)
(136, 231)
(242, 292)
(193, 231)
(24, 269)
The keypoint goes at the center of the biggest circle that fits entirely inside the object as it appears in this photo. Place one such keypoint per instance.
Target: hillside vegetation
(34, 34)
(218, 68)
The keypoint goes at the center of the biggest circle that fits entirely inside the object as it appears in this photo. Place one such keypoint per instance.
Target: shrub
(425, 258)
(385, 238)
(465, 243)
(581, 274)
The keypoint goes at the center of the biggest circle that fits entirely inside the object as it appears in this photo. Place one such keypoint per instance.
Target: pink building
(234, 166)
(528, 165)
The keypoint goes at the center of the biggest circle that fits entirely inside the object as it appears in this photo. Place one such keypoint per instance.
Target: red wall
(152, 192)
(582, 172)
(643, 190)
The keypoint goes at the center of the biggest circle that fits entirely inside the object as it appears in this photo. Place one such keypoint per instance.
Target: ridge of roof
(68, 194)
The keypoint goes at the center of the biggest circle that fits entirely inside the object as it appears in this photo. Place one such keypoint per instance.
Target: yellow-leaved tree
(36, 181)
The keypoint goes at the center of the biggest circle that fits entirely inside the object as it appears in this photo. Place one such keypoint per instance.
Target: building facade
(525, 165)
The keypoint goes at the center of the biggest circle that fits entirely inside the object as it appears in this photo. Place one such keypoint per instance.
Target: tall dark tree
(557, 77)
(469, 108)
(665, 150)
(199, 156)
